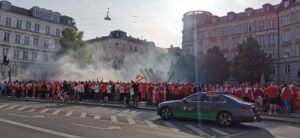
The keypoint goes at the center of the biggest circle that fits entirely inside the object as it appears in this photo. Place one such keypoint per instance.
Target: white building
(27, 37)
(117, 46)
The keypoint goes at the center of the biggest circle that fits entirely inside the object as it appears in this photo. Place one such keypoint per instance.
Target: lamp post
(6, 63)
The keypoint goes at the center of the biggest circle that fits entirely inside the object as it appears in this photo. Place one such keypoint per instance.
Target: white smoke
(67, 68)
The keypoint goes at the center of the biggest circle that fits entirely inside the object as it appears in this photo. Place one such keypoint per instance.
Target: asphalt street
(21, 119)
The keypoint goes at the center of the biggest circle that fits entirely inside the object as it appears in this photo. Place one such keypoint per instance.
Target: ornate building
(116, 46)
(27, 37)
(276, 27)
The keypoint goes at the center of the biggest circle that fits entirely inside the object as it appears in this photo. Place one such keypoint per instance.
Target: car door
(189, 108)
(211, 105)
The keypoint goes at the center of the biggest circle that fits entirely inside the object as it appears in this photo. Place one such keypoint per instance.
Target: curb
(83, 103)
(264, 118)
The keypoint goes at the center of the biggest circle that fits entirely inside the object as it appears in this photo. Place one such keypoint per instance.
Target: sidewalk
(80, 103)
(291, 118)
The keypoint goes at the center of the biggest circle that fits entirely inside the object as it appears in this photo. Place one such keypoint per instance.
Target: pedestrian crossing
(169, 125)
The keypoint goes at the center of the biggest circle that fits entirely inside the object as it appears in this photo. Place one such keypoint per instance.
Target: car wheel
(224, 119)
(165, 113)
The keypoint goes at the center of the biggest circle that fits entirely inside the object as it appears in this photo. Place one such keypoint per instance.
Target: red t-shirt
(271, 92)
(287, 94)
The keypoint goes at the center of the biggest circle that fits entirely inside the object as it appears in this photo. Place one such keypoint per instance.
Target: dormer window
(5, 5)
(249, 11)
(286, 3)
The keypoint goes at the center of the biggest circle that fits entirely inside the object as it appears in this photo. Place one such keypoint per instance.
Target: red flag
(139, 78)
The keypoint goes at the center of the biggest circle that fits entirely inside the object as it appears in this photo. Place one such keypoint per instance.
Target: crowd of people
(272, 98)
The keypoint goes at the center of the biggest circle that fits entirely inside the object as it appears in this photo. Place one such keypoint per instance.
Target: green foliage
(215, 66)
(73, 45)
(250, 62)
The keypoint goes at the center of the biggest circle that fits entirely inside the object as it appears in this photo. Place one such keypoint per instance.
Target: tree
(73, 45)
(215, 66)
(250, 62)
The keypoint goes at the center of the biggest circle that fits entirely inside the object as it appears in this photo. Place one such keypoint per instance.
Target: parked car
(214, 106)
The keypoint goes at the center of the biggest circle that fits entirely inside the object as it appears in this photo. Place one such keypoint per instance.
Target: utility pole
(6, 63)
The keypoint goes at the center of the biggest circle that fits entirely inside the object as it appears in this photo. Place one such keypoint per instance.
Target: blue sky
(153, 20)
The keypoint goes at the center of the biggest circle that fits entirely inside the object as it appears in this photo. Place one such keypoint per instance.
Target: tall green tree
(215, 66)
(73, 45)
(250, 62)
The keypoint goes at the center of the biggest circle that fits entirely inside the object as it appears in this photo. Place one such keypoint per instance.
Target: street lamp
(6, 63)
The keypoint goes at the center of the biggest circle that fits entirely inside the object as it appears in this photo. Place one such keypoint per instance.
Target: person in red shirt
(175, 92)
(143, 91)
(239, 92)
(258, 94)
(271, 93)
(287, 95)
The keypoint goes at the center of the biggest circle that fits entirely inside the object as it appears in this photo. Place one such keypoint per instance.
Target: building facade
(27, 38)
(276, 28)
(116, 46)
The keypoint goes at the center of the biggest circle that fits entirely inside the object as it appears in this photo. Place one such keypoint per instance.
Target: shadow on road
(234, 131)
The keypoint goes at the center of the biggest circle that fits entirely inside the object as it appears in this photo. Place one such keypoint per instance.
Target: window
(58, 32)
(18, 39)
(214, 98)
(249, 27)
(45, 57)
(287, 69)
(195, 98)
(237, 29)
(47, 30)
(25, 55)
(36, 42)
(298, 16)
(287, 53)
(8, 21)
(272, 38)
(272, 23)
(16, 54)
(261, 25)
(235, 42)
(224, 44)
(28, 26)
(298, 33)
(37, 28)
(261, 40)
(23, 69)
(26, 40)
(271, 54)
(19, 24)
(286, 36)
(14, 70)
(34, 56)
(135, 49)
(272, 72)
(130, 48)
(5, 51)
(298, 50)
(46, 44)
(6, 37)
(285, 20)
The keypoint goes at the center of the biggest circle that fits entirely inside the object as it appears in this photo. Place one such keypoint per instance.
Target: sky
(159, 21)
